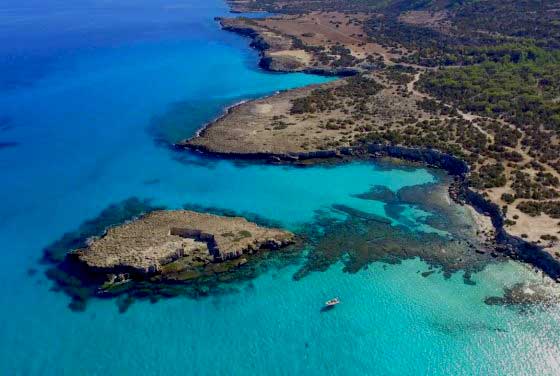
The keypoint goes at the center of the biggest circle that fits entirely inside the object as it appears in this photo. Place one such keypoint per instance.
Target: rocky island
(163, 247)
(150, 244)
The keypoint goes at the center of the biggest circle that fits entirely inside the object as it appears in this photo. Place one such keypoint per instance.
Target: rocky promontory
(282, 51)
(277, 51)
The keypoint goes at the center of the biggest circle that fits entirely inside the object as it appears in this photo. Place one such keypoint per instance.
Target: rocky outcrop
(281, 64)
(147, 245)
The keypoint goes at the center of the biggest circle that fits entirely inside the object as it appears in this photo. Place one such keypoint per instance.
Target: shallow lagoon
(85, 115)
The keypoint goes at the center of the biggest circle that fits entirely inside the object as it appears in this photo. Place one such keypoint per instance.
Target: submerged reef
(446, 238)
(180, 119)
(527, 295)
(167, 128)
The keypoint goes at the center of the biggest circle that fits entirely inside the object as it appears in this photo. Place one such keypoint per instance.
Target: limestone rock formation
(146, 245)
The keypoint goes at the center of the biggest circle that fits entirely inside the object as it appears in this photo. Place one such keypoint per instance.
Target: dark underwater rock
(378, 193)
(8, 144)
(523, 294)
(361, 239)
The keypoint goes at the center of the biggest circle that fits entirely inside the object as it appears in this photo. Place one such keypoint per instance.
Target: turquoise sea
(91, 93)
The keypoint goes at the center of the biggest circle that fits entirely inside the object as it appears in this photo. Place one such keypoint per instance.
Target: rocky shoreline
(267, 46)
(509, 245)
(150, 255)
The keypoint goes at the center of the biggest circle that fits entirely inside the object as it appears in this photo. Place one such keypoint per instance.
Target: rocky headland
(283, 51)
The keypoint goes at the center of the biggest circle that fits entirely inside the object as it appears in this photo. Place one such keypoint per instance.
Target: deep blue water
(88, 91)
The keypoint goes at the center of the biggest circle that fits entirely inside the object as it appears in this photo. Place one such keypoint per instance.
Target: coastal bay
(94, 152)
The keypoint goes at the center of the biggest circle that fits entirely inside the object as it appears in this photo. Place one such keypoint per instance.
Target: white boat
(332, 302)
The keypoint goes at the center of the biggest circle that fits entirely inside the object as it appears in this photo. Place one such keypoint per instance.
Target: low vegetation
(356, 90)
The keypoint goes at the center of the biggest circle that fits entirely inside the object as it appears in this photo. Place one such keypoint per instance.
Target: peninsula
(476, 81)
